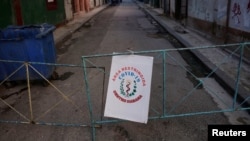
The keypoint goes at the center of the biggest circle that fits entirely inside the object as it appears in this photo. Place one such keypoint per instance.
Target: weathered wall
(240, 15)
(201, 9)
(221, 12)
(92, 4)
(202, 15)
(68, 9)
(211, 16)
(6, 14)
(36, 12)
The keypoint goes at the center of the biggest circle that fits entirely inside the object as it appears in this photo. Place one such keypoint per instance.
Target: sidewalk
(210, 57)
(62, 33)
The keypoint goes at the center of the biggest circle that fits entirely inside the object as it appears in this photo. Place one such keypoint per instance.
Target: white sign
(129, 88)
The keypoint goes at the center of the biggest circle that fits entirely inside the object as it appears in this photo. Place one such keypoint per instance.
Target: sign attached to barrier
(129, 88)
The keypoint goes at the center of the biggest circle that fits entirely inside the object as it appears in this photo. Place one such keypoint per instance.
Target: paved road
(117, 29)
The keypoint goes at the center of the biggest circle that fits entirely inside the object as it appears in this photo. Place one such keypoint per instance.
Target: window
(51, 4)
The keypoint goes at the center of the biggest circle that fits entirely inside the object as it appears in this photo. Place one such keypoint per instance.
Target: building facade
(27, 12)
(227, 20)
(56, 12)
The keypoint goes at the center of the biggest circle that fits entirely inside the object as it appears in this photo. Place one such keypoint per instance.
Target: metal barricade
(85, 93)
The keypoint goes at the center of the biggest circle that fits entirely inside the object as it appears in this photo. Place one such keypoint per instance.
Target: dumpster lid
(27, 31)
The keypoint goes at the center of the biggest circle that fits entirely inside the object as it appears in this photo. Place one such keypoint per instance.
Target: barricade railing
(27, 116)
(87, 96)
(240, 101)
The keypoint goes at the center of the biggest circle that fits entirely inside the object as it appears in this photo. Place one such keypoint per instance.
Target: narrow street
(119, 28)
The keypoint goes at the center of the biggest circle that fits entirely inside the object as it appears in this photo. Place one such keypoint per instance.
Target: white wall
(68, 9)
(216, 11)
(201, 9)
(240, 15)
(91, 4)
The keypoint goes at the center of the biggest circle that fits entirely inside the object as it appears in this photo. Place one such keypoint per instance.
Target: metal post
(89, 98)
(238, 75)
(29, 92)
(164, 82)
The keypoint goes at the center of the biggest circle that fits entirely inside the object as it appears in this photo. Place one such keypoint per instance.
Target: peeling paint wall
(229, 22)
(240, 15)
(221, 12)
(201, 9)
(216, 11)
